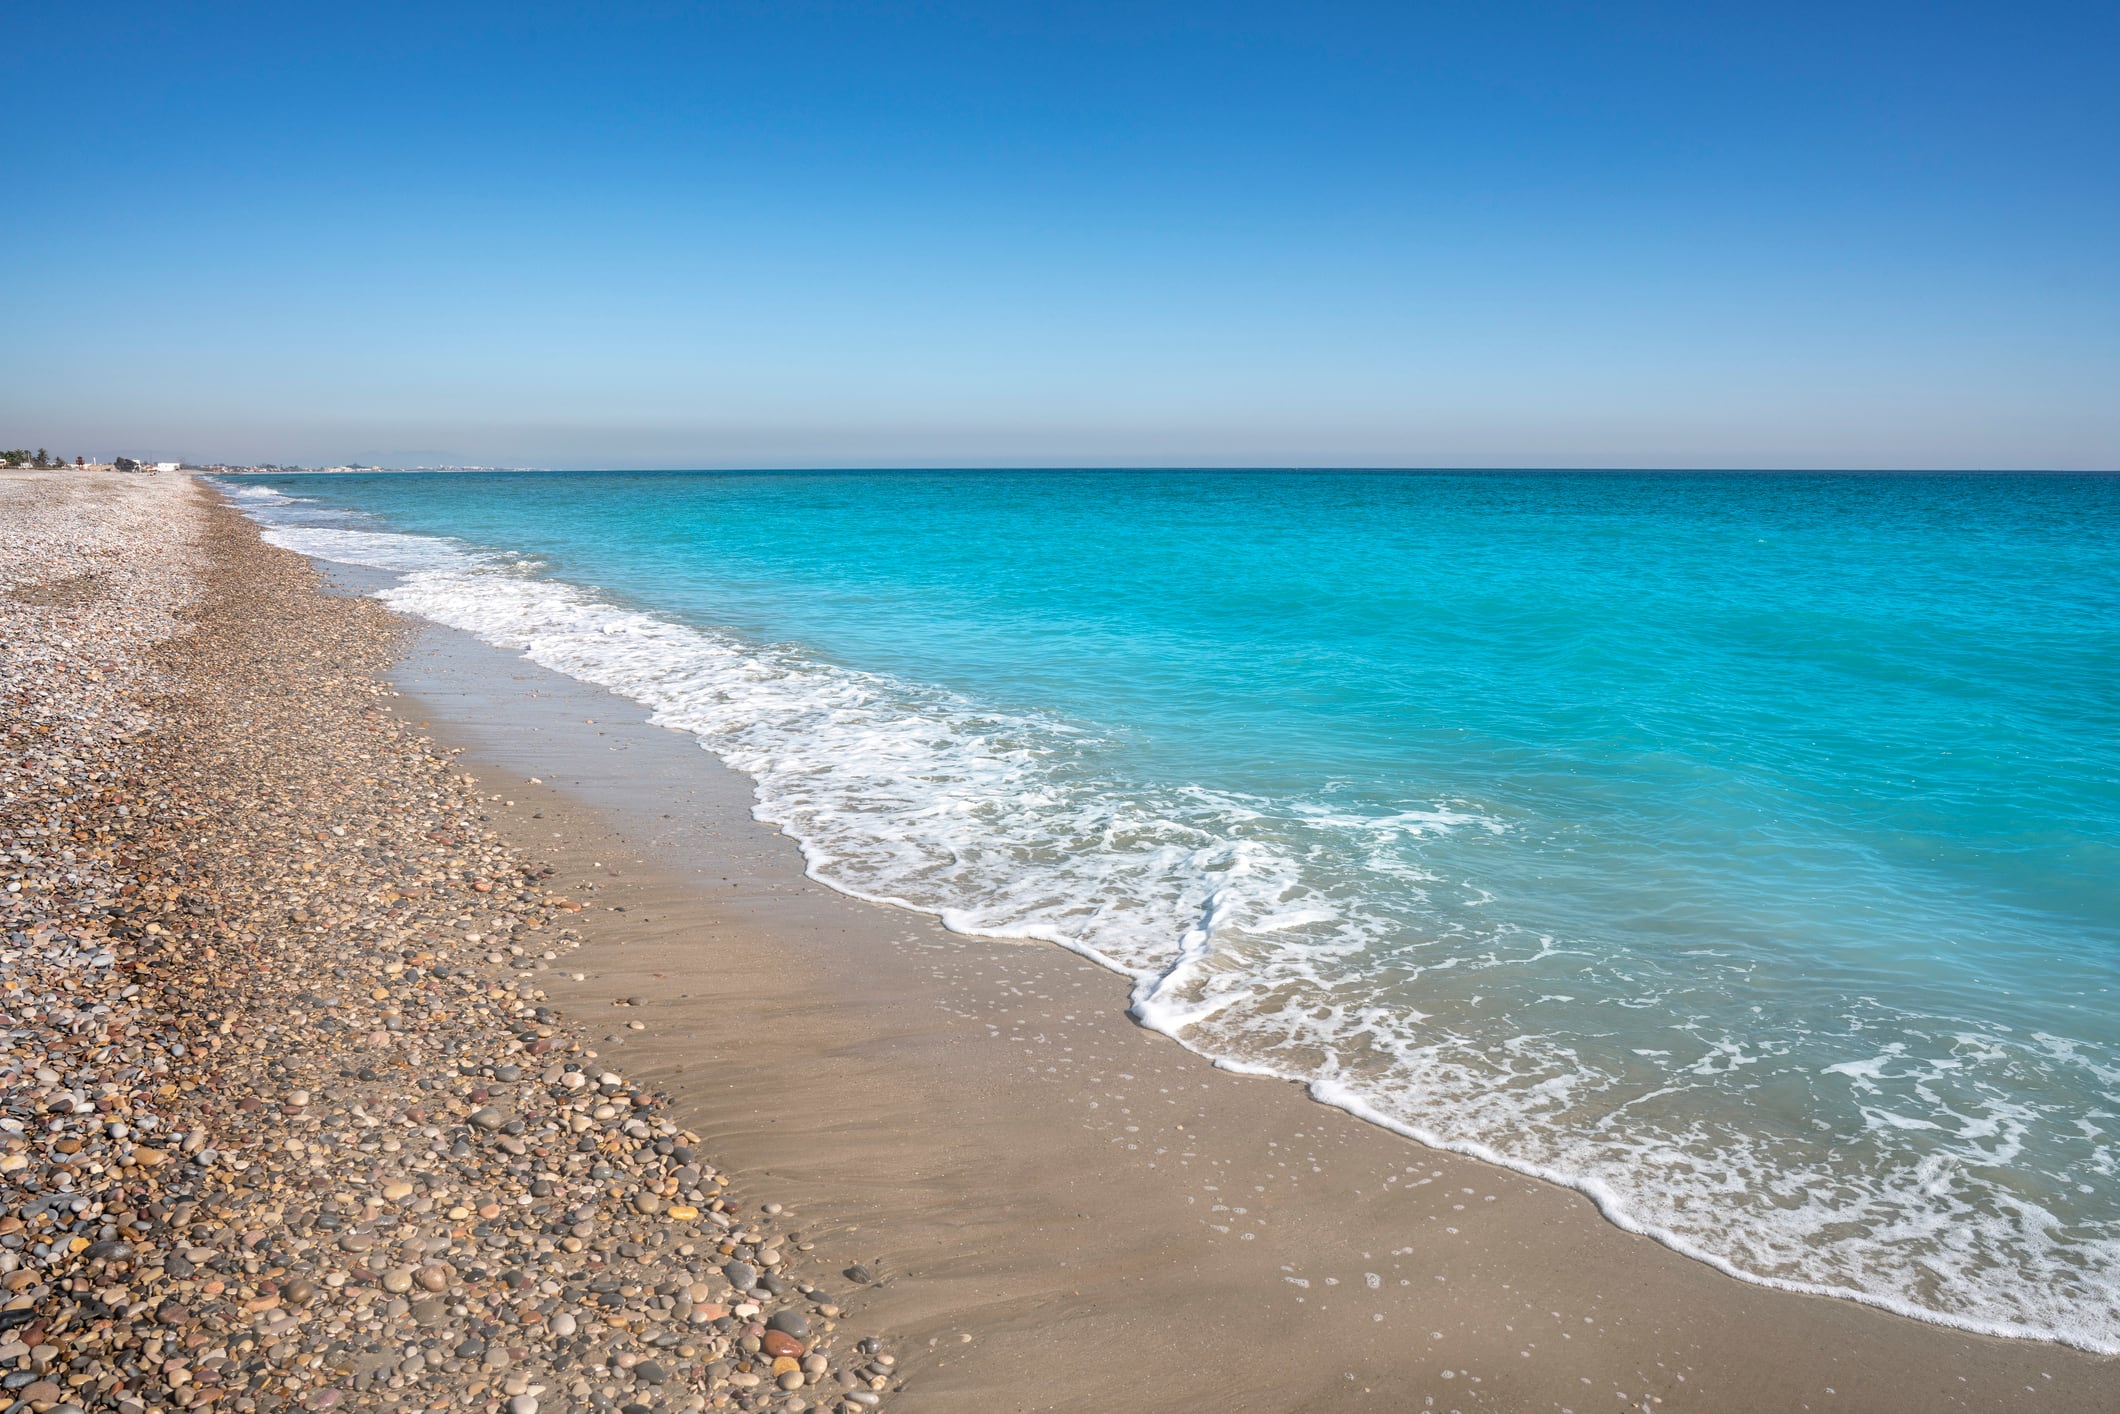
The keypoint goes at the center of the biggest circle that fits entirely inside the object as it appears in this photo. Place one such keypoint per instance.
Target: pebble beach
(289, 1121)
(391, 1023)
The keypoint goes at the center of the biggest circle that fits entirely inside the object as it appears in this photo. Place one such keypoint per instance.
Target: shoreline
(1642, 959)
(990, 1191)
(884, 982)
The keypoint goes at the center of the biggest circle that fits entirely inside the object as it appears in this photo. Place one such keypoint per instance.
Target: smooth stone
(793, 1322)
(299, 1292)
(397, 1281)
(523, 1404)
(564, 1324)
(741, 1275)
(650, 1371)
(428, 1313)
(488, 1118)
(860, 1274)
(779, 1344)
(432, 1278)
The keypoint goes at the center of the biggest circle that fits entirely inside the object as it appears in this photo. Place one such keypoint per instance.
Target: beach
(978, 1163)
(289, 1123)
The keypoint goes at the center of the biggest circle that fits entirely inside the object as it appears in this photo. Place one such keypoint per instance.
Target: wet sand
(1068, 1212)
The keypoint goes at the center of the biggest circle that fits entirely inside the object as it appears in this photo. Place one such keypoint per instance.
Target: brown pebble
(282, 1028)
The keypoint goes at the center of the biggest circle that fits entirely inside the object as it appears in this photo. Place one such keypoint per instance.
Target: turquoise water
(1742, 850)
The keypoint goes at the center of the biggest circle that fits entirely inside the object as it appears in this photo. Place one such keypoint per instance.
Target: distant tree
(43, 458)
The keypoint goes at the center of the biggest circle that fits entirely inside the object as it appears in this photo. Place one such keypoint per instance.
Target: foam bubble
(378, 549)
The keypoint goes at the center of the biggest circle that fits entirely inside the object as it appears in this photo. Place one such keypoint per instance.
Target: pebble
(293, 1115)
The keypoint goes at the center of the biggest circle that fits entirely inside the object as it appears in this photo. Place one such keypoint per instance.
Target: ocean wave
(1309, 941)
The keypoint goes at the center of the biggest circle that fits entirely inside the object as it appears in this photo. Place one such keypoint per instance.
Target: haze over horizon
(775, 235)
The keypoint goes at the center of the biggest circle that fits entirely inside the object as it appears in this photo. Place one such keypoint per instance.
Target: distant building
(166, 466)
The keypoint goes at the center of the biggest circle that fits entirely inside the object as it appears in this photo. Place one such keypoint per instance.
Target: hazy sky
(789, 233)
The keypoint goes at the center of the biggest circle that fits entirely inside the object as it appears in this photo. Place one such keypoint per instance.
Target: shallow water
(1744, 850)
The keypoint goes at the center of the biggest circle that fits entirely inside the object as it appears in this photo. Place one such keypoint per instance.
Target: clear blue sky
(790, 233)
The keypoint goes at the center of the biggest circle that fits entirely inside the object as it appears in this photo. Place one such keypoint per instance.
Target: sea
(1741, 850)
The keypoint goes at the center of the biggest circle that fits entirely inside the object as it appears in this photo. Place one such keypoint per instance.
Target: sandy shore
(325, 1152)
(1070, 1213)
(286, 1120)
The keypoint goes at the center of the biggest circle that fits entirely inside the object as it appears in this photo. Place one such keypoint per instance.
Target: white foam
(377, 549)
